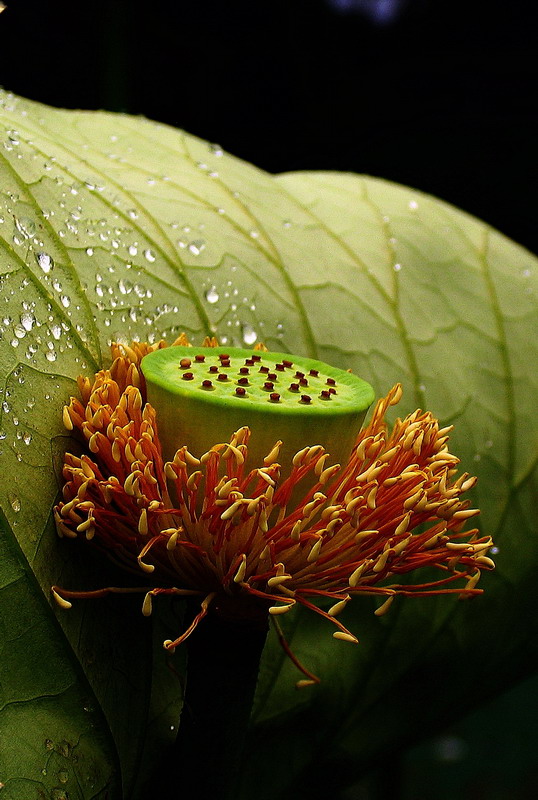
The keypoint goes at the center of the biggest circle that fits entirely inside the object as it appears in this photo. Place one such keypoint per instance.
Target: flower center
(203, 394)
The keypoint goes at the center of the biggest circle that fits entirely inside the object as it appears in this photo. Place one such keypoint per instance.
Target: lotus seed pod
(204, 394)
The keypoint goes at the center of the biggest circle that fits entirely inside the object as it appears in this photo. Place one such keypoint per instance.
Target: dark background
(436, 94)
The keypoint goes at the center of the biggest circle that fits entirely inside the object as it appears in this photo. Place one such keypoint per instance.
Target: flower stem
(223, 658)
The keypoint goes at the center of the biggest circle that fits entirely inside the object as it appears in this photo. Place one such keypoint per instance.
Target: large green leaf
(118, 228)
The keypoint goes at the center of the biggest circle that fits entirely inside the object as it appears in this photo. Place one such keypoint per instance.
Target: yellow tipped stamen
(67, 421)
(345, 637)
(277, 610)
(338, 607)
(404, 524)
(382, 610)
(147, 605)
(60, 600)
(240, 574)
(272, 457)
(143, 523)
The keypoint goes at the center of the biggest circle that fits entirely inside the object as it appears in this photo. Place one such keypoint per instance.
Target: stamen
(382, 610)
(345, 637)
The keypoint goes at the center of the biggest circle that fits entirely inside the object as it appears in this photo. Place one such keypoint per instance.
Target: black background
(439, 96)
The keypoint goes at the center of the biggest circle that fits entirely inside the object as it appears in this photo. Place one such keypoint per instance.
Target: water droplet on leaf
(211, 295)
(45, 262)
(249, 334)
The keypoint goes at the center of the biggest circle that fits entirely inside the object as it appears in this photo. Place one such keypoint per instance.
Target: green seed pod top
(202, 395)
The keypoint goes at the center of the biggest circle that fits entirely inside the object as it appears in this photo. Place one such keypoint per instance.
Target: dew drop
(26, 227)
(65, 300)
(211, 295)
(89, 251)
(50, 355)
(27, 321)
(125, 287)
(249, 334)
(132, 213)
(45, 262)
(149, 255)
(196, 247)
(397, 267)
(15, 503)
(413, 205)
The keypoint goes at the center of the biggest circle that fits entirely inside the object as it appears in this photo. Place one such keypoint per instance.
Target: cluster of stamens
(213, 527)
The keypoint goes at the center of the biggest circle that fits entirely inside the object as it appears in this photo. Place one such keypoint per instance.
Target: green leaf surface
(115, 228)
(54, 741)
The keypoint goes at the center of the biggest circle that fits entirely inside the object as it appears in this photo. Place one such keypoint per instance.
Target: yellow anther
(145, 567)
(277, 580)
(466, 513)
(400, 547)
(485, 561)
(229, 512)
(370, 498)
(273, 454)
(275, 610)
(61, 601)
(356, 575)
(129, 455)
(240, 574)
(172, 539)
(379, 612)
(320, 463)
(143, 523)
(194, 480)
(381, 562)
(328, 473)
(413, 499)
(68, 422)
(147, 605)
(295, 534)
(116, 451)
(386, 456)
(314, 552)
(169, 471)
(263, 523)
(265, 477)
(86, 469)
(403, 526)
(85, 525)
(473, 580)
(459, 546)
(297, 459)
(338, 607)
(345, 637)
(468, 484)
